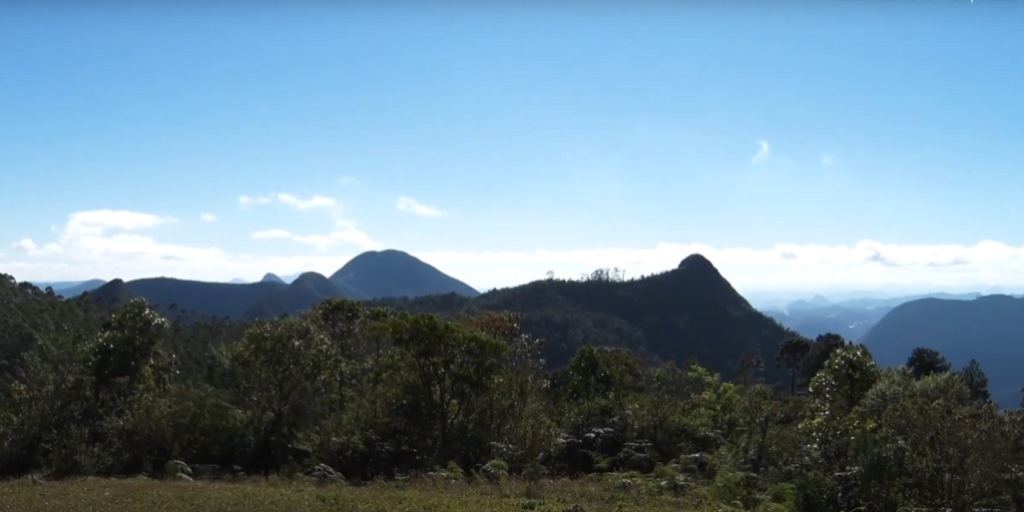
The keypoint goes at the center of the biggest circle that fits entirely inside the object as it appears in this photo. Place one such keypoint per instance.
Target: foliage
(374, 393)
(976, 381)
(925, 361)
(791, 354)
(845, 379)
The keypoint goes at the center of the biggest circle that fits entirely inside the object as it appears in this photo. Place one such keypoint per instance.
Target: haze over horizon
(832, 148)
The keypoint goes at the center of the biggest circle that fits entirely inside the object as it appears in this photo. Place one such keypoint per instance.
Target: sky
(804, 147)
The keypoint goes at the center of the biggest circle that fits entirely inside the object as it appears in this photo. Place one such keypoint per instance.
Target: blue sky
(803, 146)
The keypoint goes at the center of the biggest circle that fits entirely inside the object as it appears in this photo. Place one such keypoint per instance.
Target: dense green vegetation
(688, 313)
(375, 393)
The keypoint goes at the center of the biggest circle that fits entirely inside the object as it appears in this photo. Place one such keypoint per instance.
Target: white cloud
(408, 204)
(208, 218)
(827, 160)
(26, 245)
(99, 222)
(763, 152)
(100, 242)
(345, 233)
(806, 268)
(109, 243)
(247, 200)
(270, 234)
(801, 268)
(314, 202)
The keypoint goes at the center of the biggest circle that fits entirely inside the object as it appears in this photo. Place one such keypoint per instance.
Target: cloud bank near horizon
(120, 243)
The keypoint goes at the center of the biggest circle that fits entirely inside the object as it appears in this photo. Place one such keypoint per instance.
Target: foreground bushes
(372, 393)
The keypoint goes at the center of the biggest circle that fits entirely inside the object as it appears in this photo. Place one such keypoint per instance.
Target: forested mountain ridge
(202, 298)
(371, 275)
(986, 329)
(688, 312)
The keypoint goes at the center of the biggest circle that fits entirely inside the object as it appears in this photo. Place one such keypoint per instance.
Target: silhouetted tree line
(373, 392)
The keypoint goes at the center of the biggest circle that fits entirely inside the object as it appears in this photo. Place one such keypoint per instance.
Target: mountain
(202, 298)
(70, 289)
(111, 295)
(987, 328)
(271, 277)
(308, 290)
(688, 312)
(370, 275)
(390, 273)
(848, 321)
(851, 318)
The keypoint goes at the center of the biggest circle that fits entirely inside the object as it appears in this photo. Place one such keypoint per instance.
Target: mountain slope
(306, 291)
(391, 273)
(688, 312)
(202, 298)
(70, 289)
(850, 318)
(987, 329)
(369, 275)
(849, 322)
(271, 277)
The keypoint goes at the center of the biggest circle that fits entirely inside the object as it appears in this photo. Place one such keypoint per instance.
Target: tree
(1013, 480)
(925, 443)
(791, 355)
(840, 385)
(822, 348)
(976, 380)
(448, 373)
(925, 361)
(596, 396)
(598, 379)
(126, 349)
(687, 410)
(288, 376)
(749, 368)
(521, 405)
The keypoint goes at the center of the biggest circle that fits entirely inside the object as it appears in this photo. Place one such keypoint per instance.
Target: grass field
(138, 494)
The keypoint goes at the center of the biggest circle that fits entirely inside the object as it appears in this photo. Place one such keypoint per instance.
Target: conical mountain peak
(392, 273)
(697, 261)
(271, 277)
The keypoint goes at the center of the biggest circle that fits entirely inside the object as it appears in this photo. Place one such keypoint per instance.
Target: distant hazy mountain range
(371, 275)
(70, 289)
(851, 318)
(989, 329)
